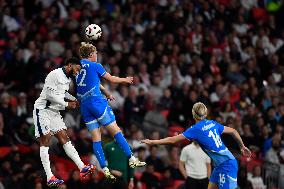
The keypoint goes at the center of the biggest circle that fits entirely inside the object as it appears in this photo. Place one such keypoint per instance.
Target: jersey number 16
(215, 137)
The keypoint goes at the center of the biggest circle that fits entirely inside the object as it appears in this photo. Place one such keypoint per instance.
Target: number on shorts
(222, 179)
(81, 83)
(215, 137)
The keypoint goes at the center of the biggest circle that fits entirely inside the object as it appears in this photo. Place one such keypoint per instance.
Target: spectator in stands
(273, 154)
(243, 182)
(131, 108)
(5, 140)
(195, 166)
(141, 154)
(136, 137)
(166, 100)
(95, 181)
(22, 109)
(149, 178)
(74, 181)
(6, 110)
(174, 163)
(163, 151)
(156, 90)
(155, 121)
(118, 103)
(155, 160)
(168, 180)
(83, 143)
(247, 136)
(256, 179)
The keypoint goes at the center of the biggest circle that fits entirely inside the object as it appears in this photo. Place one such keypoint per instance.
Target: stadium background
(225, 53)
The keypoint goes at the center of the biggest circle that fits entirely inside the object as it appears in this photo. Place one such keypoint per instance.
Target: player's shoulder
(53, 74)
(56, 72)
(59, 74)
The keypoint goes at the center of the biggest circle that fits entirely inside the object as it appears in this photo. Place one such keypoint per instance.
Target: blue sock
(98, 151)
(122, 143)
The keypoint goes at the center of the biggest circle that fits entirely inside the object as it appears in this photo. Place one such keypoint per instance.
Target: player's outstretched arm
(115, 79)
(106, 93)
(168, 140)
(245, 151)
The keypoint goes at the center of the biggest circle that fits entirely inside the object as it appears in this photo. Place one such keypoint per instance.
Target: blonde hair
(86, 49)
(199, 111)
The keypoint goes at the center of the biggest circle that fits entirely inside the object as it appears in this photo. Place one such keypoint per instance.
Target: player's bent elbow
(234, 131)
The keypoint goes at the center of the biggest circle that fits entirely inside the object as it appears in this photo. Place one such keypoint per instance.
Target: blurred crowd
(229, 54)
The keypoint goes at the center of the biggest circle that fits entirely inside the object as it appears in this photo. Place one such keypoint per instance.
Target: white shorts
(47, 121)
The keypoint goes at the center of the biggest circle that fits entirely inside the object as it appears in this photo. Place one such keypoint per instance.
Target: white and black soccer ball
(93, 32)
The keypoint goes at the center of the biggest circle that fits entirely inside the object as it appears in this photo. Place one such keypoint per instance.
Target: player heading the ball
(94, 107)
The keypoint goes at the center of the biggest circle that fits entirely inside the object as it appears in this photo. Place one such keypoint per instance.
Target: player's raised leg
(108, 120)
(42, 131)
(115, 131)
(73, 154)
(97, 147)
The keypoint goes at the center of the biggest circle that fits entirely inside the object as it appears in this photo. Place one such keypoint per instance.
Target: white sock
(73, 154)
(132, 159)
(44, 156)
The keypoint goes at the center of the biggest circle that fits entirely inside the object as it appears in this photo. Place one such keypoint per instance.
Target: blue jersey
(207, 134)
(88, 80)
(94, 107)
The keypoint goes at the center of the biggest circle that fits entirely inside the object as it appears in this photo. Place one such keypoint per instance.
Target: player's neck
(91, 59)
(66, 71)
(197, 120)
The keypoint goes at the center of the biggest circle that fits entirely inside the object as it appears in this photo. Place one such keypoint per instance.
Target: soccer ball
(93, 32)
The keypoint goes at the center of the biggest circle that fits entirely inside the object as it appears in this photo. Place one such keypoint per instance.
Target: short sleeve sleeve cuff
(104, 73)
(189, 133)
(220, 127)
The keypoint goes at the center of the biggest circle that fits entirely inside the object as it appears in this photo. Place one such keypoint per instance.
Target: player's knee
(96, 135)
(63, 139)
(44, 140)
(113, 129)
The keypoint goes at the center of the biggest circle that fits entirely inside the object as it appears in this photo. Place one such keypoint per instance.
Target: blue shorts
(96, 113)
(225, 175)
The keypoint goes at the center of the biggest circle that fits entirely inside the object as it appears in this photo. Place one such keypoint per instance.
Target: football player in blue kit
(94, 106)
(207, 134)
